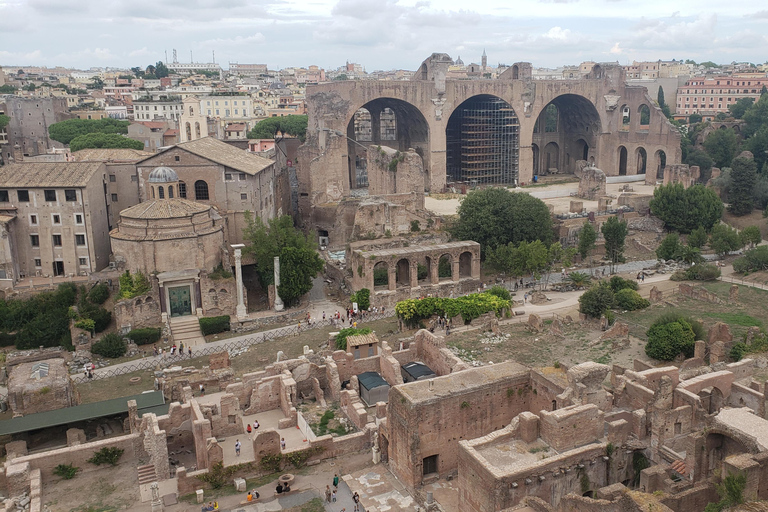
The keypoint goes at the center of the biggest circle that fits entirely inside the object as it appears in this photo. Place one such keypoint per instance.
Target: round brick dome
(163, 175)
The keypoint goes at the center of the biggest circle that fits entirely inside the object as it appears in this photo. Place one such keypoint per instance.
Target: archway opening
(661, 163)
(515, 72)
(403, 272)
(572, 124)
(642, 160)
(465, 264)
(483, 142)
(424, 269)
(201, 191)
(384, 122)
(380, 276)
(645, 116)
(444, 268)
(626, 116)
(622, 161)
(535, 148)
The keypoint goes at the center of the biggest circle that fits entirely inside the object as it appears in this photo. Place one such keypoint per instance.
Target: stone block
(200, 495)
(592, 183)
(75, 436)
(699, 349)
(719, 332)
(529, 426)
(603, 203)
(577, 206)
(240, 484)
(266, 442)
(733, 294)
(617, 330)
(618, 431)
(215, 451)
(15, 449)
(17, 479)
(534, 323)
(656, 295)
(572, 426)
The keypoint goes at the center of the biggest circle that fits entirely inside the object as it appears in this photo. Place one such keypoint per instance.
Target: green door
(180, 301)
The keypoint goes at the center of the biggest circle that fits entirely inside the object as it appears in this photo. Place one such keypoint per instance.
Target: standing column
(278, 300)
(241, 311)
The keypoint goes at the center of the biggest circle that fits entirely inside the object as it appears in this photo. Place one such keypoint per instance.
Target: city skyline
(392, 35)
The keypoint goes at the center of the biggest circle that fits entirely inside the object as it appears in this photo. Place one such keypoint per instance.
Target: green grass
(733, 318)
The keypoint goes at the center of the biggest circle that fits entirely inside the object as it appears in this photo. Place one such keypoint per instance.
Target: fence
(233, 346)
(753, 284)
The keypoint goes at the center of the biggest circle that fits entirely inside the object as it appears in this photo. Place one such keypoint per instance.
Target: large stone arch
(578, 126)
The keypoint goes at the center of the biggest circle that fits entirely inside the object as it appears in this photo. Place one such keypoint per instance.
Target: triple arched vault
(501, 131)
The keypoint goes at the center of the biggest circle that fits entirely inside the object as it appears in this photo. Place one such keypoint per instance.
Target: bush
(667, 339)
(618, 283)
(65, 471)
(99, 294)
(697, 238)
(703, 272)
(7, 339)
(595, 301)
(630, 300)
(738, 351)
(685, 209)
(110, 345)
(471, 306)
(724, 239)
(86, 324)
(500, 292)
(214, 324)
(145, 335)
(669, 249)
(107, 455)
(753, 260)
(341, 338)
(363, 298)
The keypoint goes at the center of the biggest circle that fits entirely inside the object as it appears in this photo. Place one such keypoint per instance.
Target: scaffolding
(483, 143)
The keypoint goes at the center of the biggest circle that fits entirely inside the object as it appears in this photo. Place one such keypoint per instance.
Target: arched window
(170, 192)
(201, 190)
(197, 130)
(189, 131)
(153, 192)
(191, 112)
(161, 192)
(182, 190)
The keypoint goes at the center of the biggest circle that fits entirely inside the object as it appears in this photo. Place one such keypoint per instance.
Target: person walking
(327, 493)
(282, 443)
(237, 447)
(335, 480)
(333, 496)
(202, 389)
(356, 499)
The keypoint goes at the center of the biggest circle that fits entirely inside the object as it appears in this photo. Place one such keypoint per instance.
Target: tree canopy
(4, 120)
(615, 232)
(495, 216)
(743, 179)
(721, 145)
(103, 140)
(299, 261)
(740, 107)
(684, 209)
(67, 130)
(295, 125)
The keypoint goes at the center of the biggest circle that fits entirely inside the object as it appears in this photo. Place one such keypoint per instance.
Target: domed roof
(162, 175)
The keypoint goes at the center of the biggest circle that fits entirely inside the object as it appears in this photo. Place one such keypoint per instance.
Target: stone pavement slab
(379, 490)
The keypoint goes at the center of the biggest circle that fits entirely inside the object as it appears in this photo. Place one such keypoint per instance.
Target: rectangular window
(83, 262)
(429, 465)
(112, 178)
(4, 196)
(33, 220)
(78, 218)
(56, 218)
(70, 195)
(244, 197)
(226, 112)
(114, 198)
(56, 240)
(134, 179)
(23, 196)
(242, 176)
(38, 262)
(50, 195)
(34, 240)
(79, 239)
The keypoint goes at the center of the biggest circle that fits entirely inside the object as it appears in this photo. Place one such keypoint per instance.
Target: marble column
(241, 310)
(278, 301)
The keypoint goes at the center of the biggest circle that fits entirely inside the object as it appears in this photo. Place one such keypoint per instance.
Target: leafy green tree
(7, 89)
(342, 76)
(161, 70)
(757, 144)
(522, 259)
(4, 120)
(96, 83)
(699, 158)
(662, 104)
(756, 116)
(103, 140)
(751, 235)
(684, 209)
(110, 345)
(721, 145)
(739, 108)
(587, 240)
(596, 301)
(297, 266)
(618, 283)
(65, 131)
(362, 297)
(694, 118)
(295, 125)
(753, 260)
(724, 239)
(615, 233)
(630, 300)
(495, 217)
(669, 248)
(138, 72)
(669, 338)
(698, 237)
(744, 177)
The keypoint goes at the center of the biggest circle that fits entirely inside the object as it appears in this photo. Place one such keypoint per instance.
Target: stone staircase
(186, 329)
(147, 474)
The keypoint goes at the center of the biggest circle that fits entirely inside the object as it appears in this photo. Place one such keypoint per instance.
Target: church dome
(163, 175)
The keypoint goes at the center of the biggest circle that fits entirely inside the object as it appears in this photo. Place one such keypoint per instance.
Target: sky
(379, 34)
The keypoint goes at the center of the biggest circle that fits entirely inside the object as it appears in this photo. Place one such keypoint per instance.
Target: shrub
(471, 306)
(99, 293)
(669, 249)
(145, 335)
(65, 471)
(7, 339)
(678, 275)
(220, 273)
(595, 301)
(362, 297)
(753, 260)
(107, 455)
(341, 338)
(85, 324)
(100, 316)
(415, 226)
(738, 351)
(630, 300)
(667, 339)
(697, 238)
(500, 292)
(619, 283)
(703, 272)
(214, 324)
(110, 345)
(217, 475)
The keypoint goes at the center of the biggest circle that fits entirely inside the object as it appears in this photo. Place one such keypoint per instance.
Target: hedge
(214, 324)
(146, 335)
(469, 307)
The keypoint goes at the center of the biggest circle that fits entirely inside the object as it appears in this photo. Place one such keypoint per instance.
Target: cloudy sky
(380, 34)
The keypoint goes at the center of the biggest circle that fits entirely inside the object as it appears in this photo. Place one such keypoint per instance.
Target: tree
(756, 116)
(596, 301)
(294, 125)
(697, 238)
(342, 76)
(4, 120)
(67, 130)
(669, 248)
(740, 107)
(669, 337)
(757, 145)
(522, 259)
(724, 239)
(743, 176)
(721, 145)
(138, 72)
(662, 104)
(104, 140)
(299, 265)
(161, 70)
(587, 240)
(684, 209)
(7, 89)
(694, 118)
(751, 235)
(615, 233)
(494, 217)
(96, 83)
(29, 87)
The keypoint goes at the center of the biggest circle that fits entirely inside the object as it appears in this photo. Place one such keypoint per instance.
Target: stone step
(147, 474)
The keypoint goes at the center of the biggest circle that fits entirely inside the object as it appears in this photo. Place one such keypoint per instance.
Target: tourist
(237, 447)
(249, 497)
(255, 424)
(323, 316)
(642, 277)
(181, 348)
(249, 430)
(333, 496)
(202, 389)
(190, 351)
(282, 443)
(356, 499)
(279, 488)
(327, 493)
(335, 480)
(255, 494)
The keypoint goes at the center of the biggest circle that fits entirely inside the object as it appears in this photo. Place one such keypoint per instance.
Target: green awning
(146, 402)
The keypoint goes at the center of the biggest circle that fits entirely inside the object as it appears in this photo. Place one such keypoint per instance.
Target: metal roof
(416, 370)
(146, 402)
(370, 380)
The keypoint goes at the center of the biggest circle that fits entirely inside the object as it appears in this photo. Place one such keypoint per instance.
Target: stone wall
(141, 311)
(570, 427)
(219, 295)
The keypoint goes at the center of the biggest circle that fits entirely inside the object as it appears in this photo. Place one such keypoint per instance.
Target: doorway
(180, 301)
(58, 268)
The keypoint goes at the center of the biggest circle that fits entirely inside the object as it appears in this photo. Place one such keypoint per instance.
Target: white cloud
(143, 52)
(616, 50)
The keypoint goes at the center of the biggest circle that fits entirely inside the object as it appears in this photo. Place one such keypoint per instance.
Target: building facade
(710, 96)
